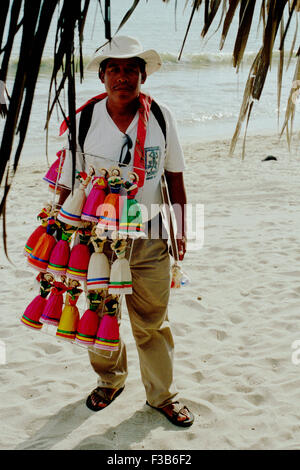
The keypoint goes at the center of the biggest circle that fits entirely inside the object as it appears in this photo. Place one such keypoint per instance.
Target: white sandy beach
(233, 326)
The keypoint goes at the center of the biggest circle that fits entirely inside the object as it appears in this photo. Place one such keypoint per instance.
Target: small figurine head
(133, 176)
(115, 171)
(104, 172)
(73, 283)
(91, 170)
(48, 277)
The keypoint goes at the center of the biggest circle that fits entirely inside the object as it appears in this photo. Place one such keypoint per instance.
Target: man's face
(122, 79)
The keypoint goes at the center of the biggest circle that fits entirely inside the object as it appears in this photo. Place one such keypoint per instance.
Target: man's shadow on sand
(133, 430)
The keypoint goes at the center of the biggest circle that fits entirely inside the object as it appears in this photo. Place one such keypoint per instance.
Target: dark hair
(141, 63)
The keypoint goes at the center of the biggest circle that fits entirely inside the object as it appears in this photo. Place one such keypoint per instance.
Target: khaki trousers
(148, 312)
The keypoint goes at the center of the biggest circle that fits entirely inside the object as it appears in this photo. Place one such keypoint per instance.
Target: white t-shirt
(102, 148)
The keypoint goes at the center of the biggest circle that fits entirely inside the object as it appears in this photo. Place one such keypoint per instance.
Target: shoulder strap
(86, 118)
(84, 123)
(157, 112)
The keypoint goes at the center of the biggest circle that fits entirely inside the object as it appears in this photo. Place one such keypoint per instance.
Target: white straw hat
(126, 47)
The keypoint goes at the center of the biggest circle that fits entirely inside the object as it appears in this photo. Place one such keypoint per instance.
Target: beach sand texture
(233, 326)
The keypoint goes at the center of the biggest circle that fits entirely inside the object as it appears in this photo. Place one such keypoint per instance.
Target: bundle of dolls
(68, 249)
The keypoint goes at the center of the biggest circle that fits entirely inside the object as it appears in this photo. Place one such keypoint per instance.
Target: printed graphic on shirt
(152, 161)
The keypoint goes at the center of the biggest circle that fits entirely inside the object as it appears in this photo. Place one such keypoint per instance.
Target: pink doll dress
(53, 309)
(94, 199)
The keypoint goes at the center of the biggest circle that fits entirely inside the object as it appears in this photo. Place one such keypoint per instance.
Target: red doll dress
(95, 199)
(79, 258)
(33, 312)
(38, 232)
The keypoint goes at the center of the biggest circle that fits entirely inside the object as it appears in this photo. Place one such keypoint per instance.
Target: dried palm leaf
(293, 96)
(211, 8)
(280, 70)
(293, 44)
(245, 21)
(228, 20)
(247, 100)
(196, 5)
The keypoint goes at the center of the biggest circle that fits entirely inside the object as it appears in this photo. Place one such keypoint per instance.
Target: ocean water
(203, 89)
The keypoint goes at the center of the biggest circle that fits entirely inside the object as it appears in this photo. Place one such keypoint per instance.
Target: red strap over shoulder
(64, 124)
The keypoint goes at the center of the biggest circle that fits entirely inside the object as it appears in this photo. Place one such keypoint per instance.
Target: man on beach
(125, 129)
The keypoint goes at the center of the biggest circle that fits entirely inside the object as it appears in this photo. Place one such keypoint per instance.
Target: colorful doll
(40, 255)
(96, 197)
(108, 337)
(120, 275)
(53, 309)
(80, 256)
(31, 316)
(99, 269)
(109, 212)
(69, 319)
(131, 220)
(54, 172)
(70, 212)
(39, 231)
(89, 323)
(60, 254)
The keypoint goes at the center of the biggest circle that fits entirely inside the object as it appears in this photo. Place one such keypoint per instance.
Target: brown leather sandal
(176, 413)
(101, 397)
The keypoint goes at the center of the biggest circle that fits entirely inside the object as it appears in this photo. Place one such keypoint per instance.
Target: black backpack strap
(157, 112)
(84, 123)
